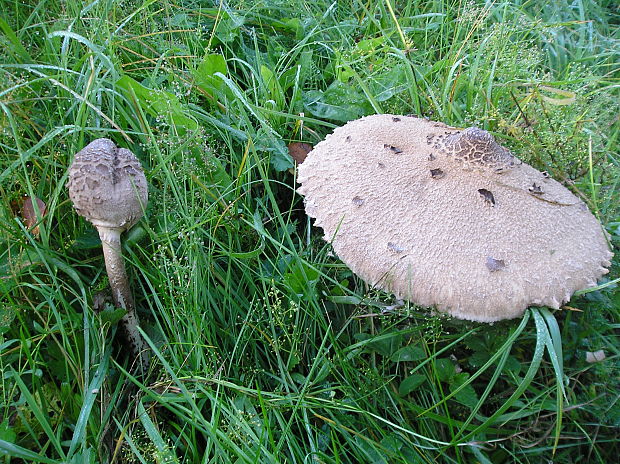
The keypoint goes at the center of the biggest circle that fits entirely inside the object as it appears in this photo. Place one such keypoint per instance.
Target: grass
(266, 348)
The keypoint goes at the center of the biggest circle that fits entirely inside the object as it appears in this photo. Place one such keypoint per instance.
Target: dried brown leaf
(299, 151)
(29, 214)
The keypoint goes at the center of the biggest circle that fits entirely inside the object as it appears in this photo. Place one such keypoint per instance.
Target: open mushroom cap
(107, 185)
(449, 218)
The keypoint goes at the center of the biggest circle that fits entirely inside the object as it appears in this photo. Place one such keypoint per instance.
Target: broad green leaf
(362, 337)
(272, 85)
(293, 361)
(268, 142)
(410, 383)
(340, 102)
(6, 432)
(111, 316)
(370, 45)
(157, 103)
(281, 161)
(388, 83)
(467, 395)
(409, 353)
(295, 25)
(228, 29)
(205, 73)
(301, 279)
(445, 369)
(386, 345)
(392, 443)
(370, 453)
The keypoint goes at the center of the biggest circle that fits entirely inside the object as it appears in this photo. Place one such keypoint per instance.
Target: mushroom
(108, 188)
(448, 218)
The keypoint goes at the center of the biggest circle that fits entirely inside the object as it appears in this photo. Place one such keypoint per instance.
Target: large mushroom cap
(107, 185)
(450, 219)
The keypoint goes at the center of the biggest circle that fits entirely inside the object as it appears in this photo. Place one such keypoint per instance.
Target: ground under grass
(265, 347)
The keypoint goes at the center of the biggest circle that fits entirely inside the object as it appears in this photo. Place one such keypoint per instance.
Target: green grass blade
(163, 450)
(15, 451)
(93, 392)
(553, 342)
(18, 48)
(38, 413)
(539, 350)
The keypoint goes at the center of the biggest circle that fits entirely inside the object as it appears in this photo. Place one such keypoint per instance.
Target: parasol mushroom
(450, 219)
(108, 188)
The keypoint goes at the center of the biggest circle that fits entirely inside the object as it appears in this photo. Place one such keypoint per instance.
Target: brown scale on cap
(467, 228)
(476, 148)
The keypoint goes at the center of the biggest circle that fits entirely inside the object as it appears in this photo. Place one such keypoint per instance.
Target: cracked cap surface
(450, 219)
(107, 185)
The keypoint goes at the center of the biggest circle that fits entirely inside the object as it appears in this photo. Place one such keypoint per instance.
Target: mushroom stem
(121, 292)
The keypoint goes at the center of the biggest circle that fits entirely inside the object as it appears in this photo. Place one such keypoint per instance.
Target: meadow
(265, 347)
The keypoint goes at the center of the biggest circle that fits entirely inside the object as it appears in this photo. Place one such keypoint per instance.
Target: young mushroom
(108, 188)
(449, 218)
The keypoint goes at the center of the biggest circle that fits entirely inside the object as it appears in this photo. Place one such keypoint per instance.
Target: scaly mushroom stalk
(121, 291)
(108, 187)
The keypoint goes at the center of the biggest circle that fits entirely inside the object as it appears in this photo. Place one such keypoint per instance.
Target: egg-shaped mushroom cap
(449, 218)
(107, 185)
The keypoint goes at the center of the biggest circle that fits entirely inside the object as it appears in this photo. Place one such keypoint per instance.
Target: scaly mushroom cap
(450, 219)
(107, 185)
